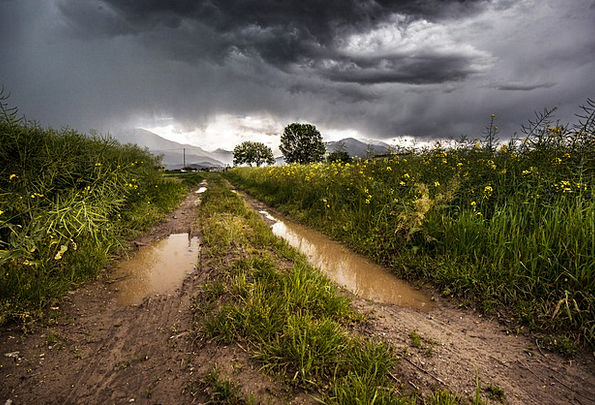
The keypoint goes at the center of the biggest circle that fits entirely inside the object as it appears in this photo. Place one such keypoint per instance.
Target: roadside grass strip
(293, 320)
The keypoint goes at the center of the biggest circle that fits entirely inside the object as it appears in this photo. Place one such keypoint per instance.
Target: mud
(158, 268)
(351, 271)
(95, 351)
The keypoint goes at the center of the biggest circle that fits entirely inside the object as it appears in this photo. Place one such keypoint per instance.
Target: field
(507, 227)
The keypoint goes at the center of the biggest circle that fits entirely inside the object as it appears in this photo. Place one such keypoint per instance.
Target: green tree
(302, 143)
(339, 156)
(252, 153)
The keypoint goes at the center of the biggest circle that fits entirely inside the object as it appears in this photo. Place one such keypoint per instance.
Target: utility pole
(184, 158)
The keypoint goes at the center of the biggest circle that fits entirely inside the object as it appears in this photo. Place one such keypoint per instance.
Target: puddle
(352, 271)
(156, 269)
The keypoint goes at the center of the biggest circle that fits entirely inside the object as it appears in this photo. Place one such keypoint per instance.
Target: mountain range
(177, 156)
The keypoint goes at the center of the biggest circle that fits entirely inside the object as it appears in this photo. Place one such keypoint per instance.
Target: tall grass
(66, 203)
(510, 226)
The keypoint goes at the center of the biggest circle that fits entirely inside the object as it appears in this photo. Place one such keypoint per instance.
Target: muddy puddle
(354, 272)
(158, 268)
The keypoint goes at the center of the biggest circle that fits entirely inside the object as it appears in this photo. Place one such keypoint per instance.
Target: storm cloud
(379, 69)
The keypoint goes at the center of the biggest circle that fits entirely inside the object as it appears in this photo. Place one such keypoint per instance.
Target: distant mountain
(174, 155)
(356, 148)
(223, 155)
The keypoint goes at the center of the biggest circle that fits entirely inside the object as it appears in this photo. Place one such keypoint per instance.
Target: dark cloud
(283, 34)
(524, 87)
(412, 70)
(426, 68)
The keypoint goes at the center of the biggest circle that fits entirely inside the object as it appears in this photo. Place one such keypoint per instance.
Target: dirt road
(97, 352)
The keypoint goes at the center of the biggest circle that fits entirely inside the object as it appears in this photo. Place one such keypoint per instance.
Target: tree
(252, 152)
(302, 143)
(339, 156)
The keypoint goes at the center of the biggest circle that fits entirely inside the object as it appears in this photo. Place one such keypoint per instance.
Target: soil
(93, 351)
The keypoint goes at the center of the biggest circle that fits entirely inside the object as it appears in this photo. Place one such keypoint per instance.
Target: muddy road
(95, 350)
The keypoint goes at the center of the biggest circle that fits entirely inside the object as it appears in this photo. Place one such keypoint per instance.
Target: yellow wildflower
(12, 176)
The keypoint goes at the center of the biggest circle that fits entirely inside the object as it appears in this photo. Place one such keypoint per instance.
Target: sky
(213, 73)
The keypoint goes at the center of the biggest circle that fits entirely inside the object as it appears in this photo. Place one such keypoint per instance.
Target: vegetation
(339, 156)
(510, 227)
(252, 153)
(67, 203)
(302, 143)
(266, 297)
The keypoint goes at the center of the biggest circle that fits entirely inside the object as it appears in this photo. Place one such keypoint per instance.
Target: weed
(496, 392)
(415, 339)
(75, 350)
(219, 390)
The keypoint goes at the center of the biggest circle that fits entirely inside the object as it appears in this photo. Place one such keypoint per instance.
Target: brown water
(156, 269)
(349, 270)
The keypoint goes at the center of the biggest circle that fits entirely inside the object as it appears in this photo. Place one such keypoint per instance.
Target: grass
(268, 298)
(508, 227)
(68, 202)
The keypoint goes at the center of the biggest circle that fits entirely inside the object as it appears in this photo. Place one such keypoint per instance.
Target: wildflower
(487, 191)
(436, 184)
(406, 176)
(402, 183)
(1, 212)
(97, 164)
(12, 176)
(473, 204)
(459, 164)
(557, 161)
(388, 168)
(555, 131)
(63, 249)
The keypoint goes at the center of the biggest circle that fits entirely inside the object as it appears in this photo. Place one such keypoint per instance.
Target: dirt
(93, 351)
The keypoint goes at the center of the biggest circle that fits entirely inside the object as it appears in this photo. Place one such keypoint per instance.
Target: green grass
(508, 227)
(292, 318)
(67, 203)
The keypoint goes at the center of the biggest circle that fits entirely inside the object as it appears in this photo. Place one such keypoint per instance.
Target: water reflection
(350, 270)
(156, 269)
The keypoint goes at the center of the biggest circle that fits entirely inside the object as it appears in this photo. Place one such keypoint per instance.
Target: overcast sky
(215, 72)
